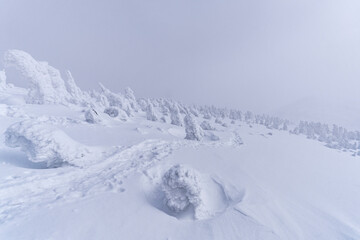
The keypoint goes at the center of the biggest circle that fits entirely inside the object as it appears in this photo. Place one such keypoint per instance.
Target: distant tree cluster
(336, 137)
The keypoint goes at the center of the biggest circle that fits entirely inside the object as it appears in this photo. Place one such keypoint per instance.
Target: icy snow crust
(102, 165)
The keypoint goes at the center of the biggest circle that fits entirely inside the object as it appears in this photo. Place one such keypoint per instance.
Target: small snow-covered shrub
(218, 121)
(181, 186)
(192, 129)
(206, 126)
(112, 112)
(92, 116)
(45, 143)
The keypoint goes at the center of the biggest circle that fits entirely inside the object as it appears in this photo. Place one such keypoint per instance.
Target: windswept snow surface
(125, 176)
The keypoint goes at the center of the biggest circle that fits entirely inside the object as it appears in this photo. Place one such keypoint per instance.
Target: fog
(258, 55)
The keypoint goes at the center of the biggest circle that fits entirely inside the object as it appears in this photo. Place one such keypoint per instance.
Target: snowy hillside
(105, 165)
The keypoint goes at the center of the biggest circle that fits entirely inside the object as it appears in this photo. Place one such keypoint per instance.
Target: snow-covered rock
(45, 143)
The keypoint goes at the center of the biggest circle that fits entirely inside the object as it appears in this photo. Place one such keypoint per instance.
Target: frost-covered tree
(163, 104)
(175, 115)
(143, 103)
(77, 95)
(130, 96)
(249, 116)
(46, 84)
(192, 128)
(116, 100)
(150, 113)
(285, 126)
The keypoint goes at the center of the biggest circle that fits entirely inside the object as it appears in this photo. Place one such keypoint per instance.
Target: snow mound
(186, 190)
(45, 143)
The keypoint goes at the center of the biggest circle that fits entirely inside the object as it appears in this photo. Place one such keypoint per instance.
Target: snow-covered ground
(104, 165)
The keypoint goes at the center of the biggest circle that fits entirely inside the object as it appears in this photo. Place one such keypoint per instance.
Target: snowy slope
(145, 173)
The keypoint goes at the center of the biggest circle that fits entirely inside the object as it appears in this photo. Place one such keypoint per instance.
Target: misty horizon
(257, 56)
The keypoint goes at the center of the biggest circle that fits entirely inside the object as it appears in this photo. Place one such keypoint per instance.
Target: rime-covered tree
(192, 128)
(175, 115)
(150, 113)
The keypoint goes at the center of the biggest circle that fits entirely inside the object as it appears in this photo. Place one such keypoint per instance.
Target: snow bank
(45, 143)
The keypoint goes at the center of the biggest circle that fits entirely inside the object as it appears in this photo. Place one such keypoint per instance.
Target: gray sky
(255, 54)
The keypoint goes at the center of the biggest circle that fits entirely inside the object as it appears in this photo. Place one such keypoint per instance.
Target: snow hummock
(45, 143)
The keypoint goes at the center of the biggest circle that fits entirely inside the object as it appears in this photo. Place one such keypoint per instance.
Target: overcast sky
(255, 54)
